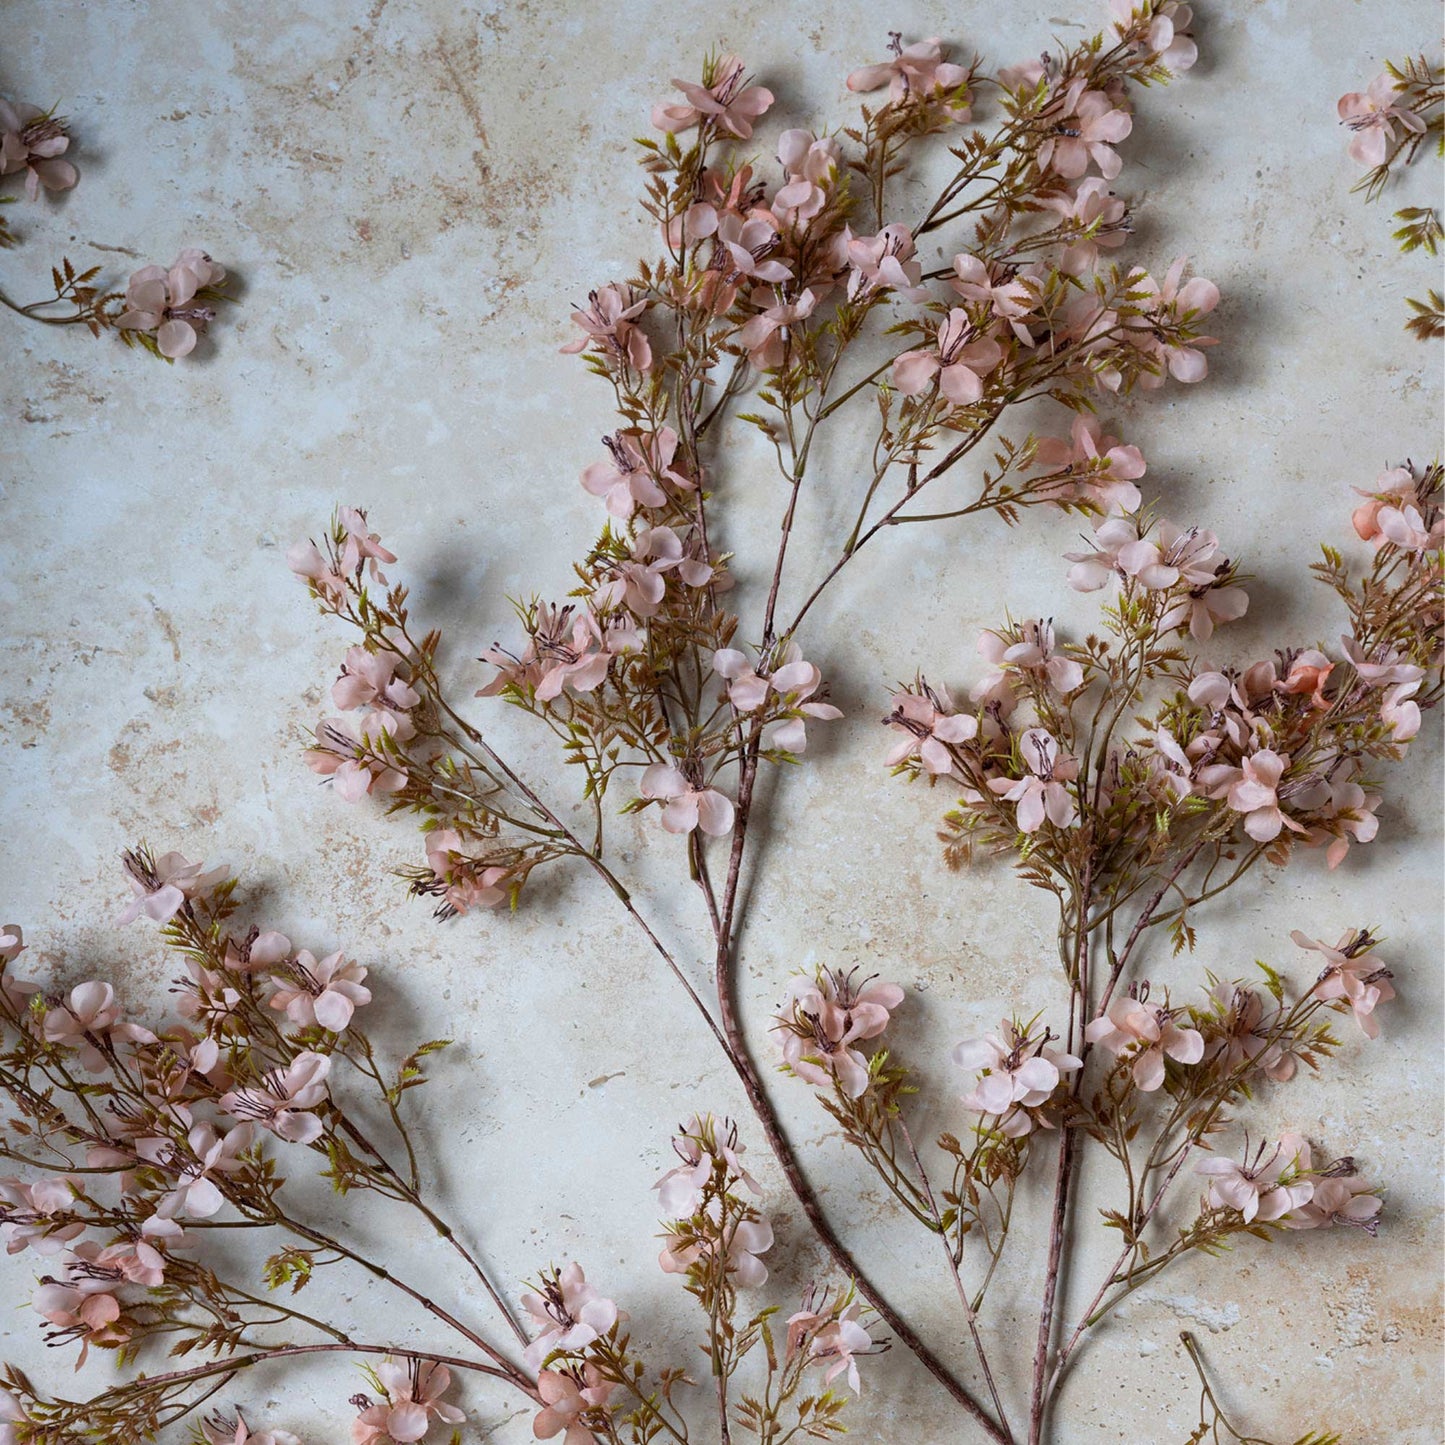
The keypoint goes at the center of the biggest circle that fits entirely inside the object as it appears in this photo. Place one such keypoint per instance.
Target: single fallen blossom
(34, 140)
(688, 804)
(1145, 1034)
(570, 1312)
(175, 304)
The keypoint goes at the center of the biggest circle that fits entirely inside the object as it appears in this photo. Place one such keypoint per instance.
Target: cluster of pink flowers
(829, 1329)
(175, 304)
(1396, 513)
(828, 1013)
(35, 141)
(1145, 1034)
(1278, 1184)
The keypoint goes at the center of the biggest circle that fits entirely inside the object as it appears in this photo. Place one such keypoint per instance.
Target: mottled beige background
(412, 197)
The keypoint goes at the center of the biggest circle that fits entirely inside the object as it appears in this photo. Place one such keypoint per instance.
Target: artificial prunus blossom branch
(800, 295)
(163, 310)
(1399, 116)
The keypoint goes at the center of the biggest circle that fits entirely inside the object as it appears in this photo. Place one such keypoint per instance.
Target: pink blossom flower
(570, 1312)
(792, 681)
(960, 360)
(1166, 308)
(765, 337)
(359, 546)
(567, 1394)
(703, 1145)
(1400, 712)
(828, 1013)
(929, 727)
(641, 461)
(1394, 487)
(1016, 1073)
(747, 244)
(1203, 608)
(1371, 114)
(1145, 1034)
(688, 804)
(1242, 1045)
(93, 1268)
(834, 1340)
(233, 1430)
(1164, 33)
(88, 1018)
(883, 262)
(1092, 570)
(413, 1399)
(1041, 793)
(1352, 973)
(1008, 295)
(1379, 666)
(352, 759)
(195, 1194)
(165, 302)
(609, 325)
(306, 560)
(1253, 789)
(918, 73)
(1034, 652)
(748, 1239)
(1340, 1196)
(320, 993)
(1087, 127)
(281, 1100)
(164, 885)
(640, 584)
(1309, 670)
(1094, 465)
(1347, 814)
(93, 1318)
(13, 1414)
(33, 140)
(1175, 554)
(1406, 528)
(1100, 220)
(575, 658)
(1265, 1187)
(724, 101)
(463, 882)
(28, 1218)
(368, 679)
(811, 166)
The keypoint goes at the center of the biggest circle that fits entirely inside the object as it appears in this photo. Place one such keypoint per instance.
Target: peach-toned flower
(687, 803)
(88, 1018)
(1099, 219)
(765, 337)
(918, 74)
(811, 166)
(641, 461)
(1087, 127)
(322, 993)
(1341, 1197)
(233, 1430)
(567, 1394)
(1203, 608)
(1352, 973)
(929, 726)
(1309, 670)
(463, 882)
(609, 326)
(208, 1153)
(1009, 295)
(351, 757)
(748, 1239)
(33, 140)
(724, 100)
(570, 1312)
(93, 1318)
(27, 1220)
(413, 1399)
(1253, 790)
(960, 359)
(164, 885)
(1094, 466)
(1164, 33)
(280, 1102)
(368, 679)
(166, 301)
(1146, 1035)
(884, 262)
(1266, 1186)
(1372, 115)
(1380, 665)
(1041, 793)
(1394, 487)
(1176, 303)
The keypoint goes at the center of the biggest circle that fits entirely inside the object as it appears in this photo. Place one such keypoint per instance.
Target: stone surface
(411, 197)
